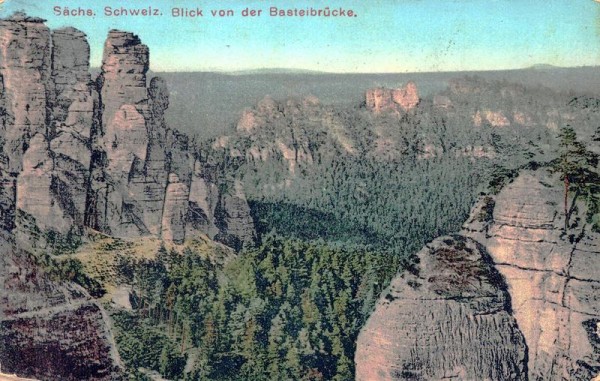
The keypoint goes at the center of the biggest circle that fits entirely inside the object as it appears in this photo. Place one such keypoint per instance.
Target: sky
(385, 36)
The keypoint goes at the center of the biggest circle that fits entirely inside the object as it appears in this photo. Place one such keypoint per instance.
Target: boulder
(448, 317)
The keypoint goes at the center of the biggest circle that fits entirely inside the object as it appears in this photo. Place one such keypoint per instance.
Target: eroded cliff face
(548, 283)
(553, 277)
(25, 68)
(53, 179)
(447, 318)
(145, 178)
(77, 153)
(131, 192)
(80, 153)
(289, 125)
(74, 106)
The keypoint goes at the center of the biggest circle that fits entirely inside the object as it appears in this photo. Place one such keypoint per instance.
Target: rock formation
(37, 188)
(77, 153)
(553, 278)
(74, 106)
(135, 173)
(233, 216)
(399, 100)
(494, 118)
(175, 210)
(552, 281)
(25, 67)
(80, 153)
(203, 200)
(449, 317)
(294, 134)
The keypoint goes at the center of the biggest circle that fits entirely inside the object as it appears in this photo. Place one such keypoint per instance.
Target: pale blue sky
(387, 35)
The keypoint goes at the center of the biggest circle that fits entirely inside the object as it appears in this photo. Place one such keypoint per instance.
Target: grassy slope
(101, 254)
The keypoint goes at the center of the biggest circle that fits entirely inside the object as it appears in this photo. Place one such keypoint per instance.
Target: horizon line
(284, 70)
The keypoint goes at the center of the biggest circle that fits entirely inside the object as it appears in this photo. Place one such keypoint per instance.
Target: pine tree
(577, 169)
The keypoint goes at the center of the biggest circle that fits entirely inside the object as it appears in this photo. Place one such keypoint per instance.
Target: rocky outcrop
(74, 105)
(25, 66)
(38, 193)
(132, 204)
(233, 217)
(203, 200)
(550, 276)
(448, 317)
(175, 210)
(52, 185)
(494, 118)
(80, 153)
(296, 132)
(144, 172)
(553, 277)
(50, 330)
(400, 100)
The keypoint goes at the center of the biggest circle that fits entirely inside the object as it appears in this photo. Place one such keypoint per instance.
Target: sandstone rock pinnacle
(400, 100)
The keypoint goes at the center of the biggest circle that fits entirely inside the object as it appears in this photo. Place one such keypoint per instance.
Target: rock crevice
(447, 318)
(78, 153)
(81, 153)
(552, 281)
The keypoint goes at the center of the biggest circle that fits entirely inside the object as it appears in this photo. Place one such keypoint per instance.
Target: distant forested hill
(376, 174)
(207, 104)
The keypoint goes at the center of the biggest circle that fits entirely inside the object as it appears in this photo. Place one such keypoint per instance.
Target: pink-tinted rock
(248, 121)
(106, 165)
(133, 141)
(124, 68)
(126, 140)
(554, 283)
(381, 99)
(449, 317)
(497, 118)
(407, 97)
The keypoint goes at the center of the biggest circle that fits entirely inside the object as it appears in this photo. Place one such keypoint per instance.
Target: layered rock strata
(131, 191)
(447, 318)
(553, 276)
(549, 331)
(74, 104)
(80, 153)
(25, 67)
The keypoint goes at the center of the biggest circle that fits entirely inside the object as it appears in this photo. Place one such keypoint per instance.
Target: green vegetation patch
(286, 310)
